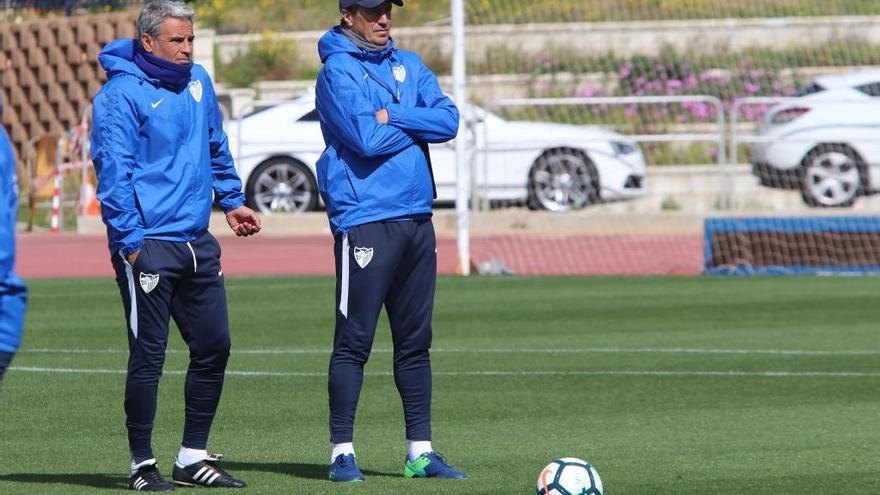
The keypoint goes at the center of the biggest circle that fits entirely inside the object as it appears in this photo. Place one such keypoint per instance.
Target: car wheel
(563, 180)
(281, 185)
(831, 176)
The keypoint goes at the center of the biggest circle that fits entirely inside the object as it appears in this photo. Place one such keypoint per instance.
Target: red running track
(70, 255)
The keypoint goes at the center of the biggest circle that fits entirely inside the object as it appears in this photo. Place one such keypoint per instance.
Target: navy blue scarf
(172, 76)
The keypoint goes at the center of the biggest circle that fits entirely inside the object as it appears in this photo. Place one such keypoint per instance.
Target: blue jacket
(13, 294)
(158, 154)
(370, 171)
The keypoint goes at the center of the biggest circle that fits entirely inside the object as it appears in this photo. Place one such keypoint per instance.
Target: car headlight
(623, 148)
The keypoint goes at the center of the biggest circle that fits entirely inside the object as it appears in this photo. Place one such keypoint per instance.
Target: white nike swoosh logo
(220, 273)
(154, 105)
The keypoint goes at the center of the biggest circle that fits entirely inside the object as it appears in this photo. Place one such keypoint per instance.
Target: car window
(255, 112)
(870, 89)
(813, 88)
(309, 117)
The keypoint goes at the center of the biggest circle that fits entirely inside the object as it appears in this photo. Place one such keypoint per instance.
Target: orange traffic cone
(89, 204)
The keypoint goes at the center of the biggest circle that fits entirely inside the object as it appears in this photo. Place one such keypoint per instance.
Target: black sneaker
(205, 473)
(149, 479)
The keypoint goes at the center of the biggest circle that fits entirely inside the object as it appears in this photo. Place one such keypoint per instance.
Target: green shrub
(268, 60)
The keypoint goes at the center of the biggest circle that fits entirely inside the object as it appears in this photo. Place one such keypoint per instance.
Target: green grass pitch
(700, 386)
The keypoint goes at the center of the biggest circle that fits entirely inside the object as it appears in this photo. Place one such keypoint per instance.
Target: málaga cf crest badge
(363, 256)
(399, 73)
(195, 89)
(149, 282)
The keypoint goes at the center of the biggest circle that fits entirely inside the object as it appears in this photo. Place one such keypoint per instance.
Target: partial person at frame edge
(13, 292)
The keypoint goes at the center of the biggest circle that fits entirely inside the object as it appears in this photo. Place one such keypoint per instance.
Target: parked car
(828, 141)
(555, 167)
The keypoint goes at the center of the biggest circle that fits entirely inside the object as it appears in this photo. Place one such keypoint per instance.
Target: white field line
(635, 373)
(588, 350)
(229, 288)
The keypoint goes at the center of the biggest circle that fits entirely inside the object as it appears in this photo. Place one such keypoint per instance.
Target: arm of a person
(8, 206)
(434, 120)
(351, 116)
(226, 183)
(114, 137)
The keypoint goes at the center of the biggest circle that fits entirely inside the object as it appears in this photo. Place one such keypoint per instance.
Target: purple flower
(674, 85)
(589, 92)
(698, 110)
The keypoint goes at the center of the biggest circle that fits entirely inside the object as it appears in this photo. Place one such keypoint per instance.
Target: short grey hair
(154, 13)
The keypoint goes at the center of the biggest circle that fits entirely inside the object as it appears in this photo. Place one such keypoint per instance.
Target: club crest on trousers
(362, 256)
(149, 282)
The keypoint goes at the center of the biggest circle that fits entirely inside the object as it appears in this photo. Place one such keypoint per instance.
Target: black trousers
(184, 281)
(392, 264)
(5, 361)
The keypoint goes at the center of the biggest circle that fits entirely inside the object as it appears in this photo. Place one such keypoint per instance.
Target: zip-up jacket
(161, 157)
(13, 294)
(371, 171)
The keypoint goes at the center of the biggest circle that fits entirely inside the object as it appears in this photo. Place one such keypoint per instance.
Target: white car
(827, 142)
(555, 167)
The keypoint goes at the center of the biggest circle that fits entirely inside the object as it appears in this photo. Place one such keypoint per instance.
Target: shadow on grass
(311, 471)
(94, 480)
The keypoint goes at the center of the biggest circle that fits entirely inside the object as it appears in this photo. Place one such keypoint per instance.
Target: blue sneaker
(431, 465)
(345, 468)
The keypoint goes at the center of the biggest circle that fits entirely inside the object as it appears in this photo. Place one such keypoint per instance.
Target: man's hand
(382, 116)
(243, 221)
(133, 257)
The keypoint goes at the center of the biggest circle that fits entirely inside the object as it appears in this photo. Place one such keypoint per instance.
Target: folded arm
(351, 116)
(434, 120)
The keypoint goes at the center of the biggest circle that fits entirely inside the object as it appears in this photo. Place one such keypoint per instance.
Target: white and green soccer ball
(569, 476)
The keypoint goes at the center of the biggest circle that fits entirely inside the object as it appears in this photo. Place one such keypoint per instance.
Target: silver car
(555, 167)
(826, 143)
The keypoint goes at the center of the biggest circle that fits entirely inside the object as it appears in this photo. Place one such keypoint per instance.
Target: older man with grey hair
(162, 160)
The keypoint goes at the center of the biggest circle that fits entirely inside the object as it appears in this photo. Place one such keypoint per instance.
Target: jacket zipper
(372, 75)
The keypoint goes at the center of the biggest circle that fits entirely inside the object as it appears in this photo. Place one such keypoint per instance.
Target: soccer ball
(569, 476)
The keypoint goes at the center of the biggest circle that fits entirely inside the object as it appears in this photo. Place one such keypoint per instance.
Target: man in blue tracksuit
(13, 294)
(162, 159)
(379, 108)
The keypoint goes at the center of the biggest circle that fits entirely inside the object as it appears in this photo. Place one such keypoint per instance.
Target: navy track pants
(184, 281)
(392, 264)
(5, 361)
